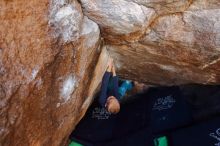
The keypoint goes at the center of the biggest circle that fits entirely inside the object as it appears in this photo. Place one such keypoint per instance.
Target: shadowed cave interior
(186, 115)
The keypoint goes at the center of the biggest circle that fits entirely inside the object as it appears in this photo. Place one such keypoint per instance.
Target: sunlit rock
(119, 17)
(163, 7)
(66, 19)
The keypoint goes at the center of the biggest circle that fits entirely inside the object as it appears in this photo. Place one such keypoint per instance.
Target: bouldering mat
(204, 100)
(133, 124)
(100, 126)
(206, 133)
(168, 108)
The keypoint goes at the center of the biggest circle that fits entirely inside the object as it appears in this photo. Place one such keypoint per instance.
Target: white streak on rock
(68, 87)
(34, 73)
(63, 12)
(39, 83)
(28, 74)
(58, 105)
(167, 67)
(210, 63)
(66, 20)
(86, 103)
(55, 5)
(91, 31)
(118, 64)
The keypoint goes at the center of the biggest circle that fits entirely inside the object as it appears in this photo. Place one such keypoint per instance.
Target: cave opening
(154, 115)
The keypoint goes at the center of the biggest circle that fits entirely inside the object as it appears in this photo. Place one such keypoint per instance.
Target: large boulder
(48, 54)
(119, 19)
(178, 48)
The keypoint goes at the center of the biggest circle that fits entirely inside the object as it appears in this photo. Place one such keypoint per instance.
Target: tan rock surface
(163, 7)
(177, 48)
(50, 62)
(119, 19)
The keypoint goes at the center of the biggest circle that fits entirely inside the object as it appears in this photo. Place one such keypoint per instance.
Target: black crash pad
(168, 108)
(203, 134)
(135, 123)
(99, 126)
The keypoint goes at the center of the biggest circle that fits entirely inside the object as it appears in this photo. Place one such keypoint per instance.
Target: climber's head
(112, 105)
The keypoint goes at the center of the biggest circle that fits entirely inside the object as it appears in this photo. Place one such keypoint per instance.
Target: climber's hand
(110, 64)
(113, 70)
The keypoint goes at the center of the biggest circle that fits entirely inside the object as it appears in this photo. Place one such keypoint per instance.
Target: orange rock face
(52, 58)
(46, 65)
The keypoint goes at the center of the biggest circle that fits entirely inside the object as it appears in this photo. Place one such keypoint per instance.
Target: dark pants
(105, 93)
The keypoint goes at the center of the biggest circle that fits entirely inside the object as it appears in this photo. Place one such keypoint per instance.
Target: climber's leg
(104, 87)
(114, 91)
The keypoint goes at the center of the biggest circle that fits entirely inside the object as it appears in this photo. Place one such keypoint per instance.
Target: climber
(110, 98)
